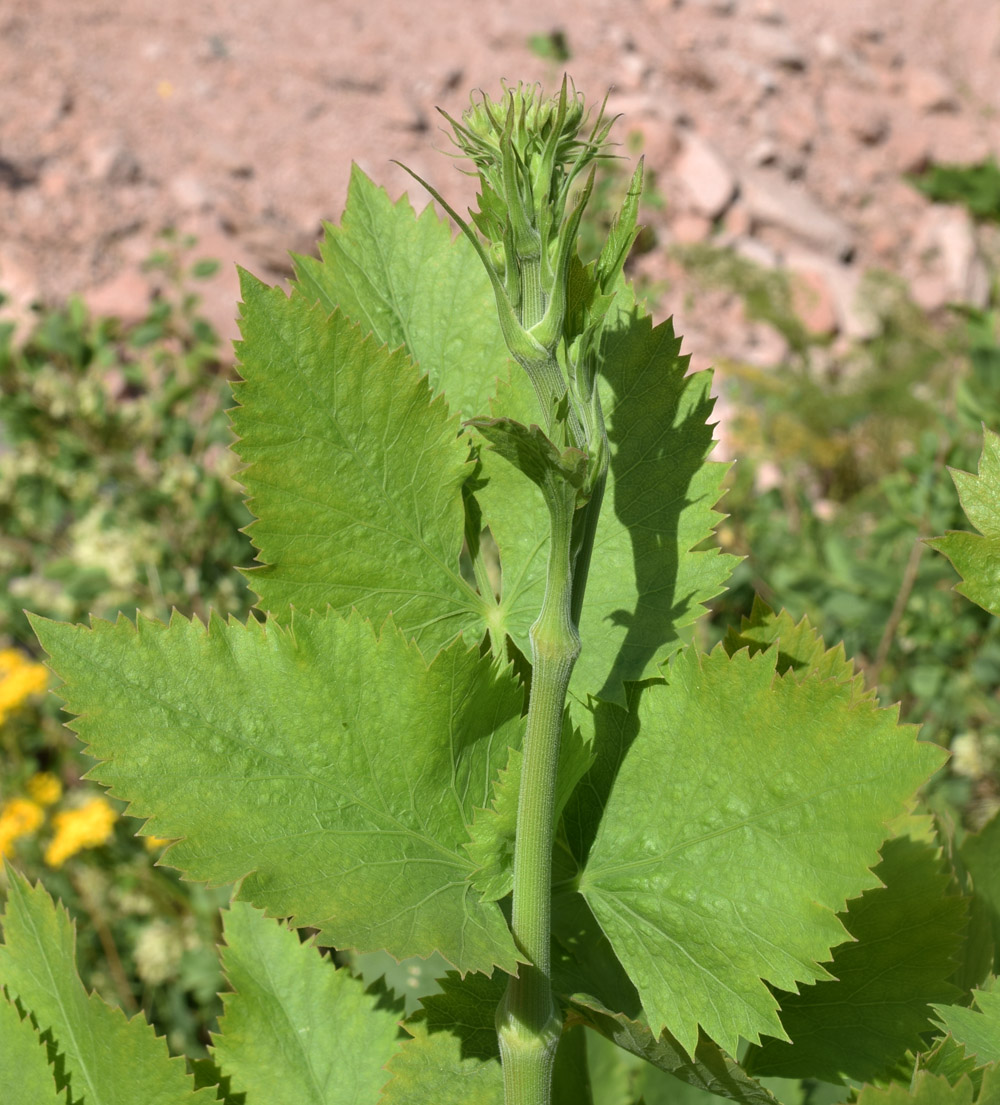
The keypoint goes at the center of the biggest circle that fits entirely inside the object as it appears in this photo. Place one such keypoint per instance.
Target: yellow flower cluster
(44, 788)
(19, 678)
(90, 826)
(18, 817)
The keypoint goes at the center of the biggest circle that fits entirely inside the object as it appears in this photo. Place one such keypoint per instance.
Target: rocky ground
(780, 127)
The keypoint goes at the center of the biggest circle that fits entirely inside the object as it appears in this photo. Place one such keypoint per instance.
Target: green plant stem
(528, 1020)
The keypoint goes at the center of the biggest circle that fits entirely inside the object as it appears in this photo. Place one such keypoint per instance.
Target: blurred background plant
(116, 494)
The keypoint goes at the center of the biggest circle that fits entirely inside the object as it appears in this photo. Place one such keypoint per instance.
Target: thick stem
(528, 1020)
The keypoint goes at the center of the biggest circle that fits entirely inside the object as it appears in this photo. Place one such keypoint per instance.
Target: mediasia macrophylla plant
(471, 717)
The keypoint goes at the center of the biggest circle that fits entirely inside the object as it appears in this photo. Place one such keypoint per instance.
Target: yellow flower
(90, 826)
(45, 788)
(19, 817)
(154, 843)
(19, 678)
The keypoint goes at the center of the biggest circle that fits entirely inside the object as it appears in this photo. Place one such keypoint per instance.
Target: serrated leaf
(25, 1074)
(978, 1030)
(933, 1089)
(431, 1067)
(801, 650)
(467, 1007)
(710, 1069)
(949, 1058)
(646, 586)
(296, 1030)
(108, 1060)
(742, 811)
(977, 558)
(907, 935)
(354, 474)
(334, 772)
(980, 852)
(409, 282)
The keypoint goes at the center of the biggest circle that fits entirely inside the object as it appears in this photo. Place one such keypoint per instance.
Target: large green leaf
(977, 558)
(25, 1074)
(741, 810)
(354, 474)
(334, 772)
(108, 1060)
(907, 935)
(978, 1030)
(406, 280)
(646, 585)
(296, 1031)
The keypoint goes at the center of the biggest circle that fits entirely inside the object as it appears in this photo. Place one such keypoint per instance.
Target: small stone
(857, 113)
(776, 45)
(930, 91)
(190, 192)
(763, 152)
(125, 296)
(813, 302)
(705, 177)
(774, 202)
(945, 244)
(689, 228)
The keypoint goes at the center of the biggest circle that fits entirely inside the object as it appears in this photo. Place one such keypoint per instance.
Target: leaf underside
(331, 770)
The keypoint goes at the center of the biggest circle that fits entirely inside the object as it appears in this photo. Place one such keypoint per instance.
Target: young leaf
(933, 1089)
(296, 1030)
(737, 772)
(25, 1074)
(800, 648)
(907, 935)
(978, 1031)
(108, 1060)
(950, 1058)
(493, 832)
(334, 772)
(355, 476)
(977, 558)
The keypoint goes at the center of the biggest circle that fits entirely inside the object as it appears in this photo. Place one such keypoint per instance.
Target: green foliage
(976, 187)
(529, 768)
(294, 1031)
(977, 557)
(116, 492)
(114, 460)
(106, 1059)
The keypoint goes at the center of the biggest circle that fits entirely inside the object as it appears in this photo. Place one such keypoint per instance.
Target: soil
(781, 128)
